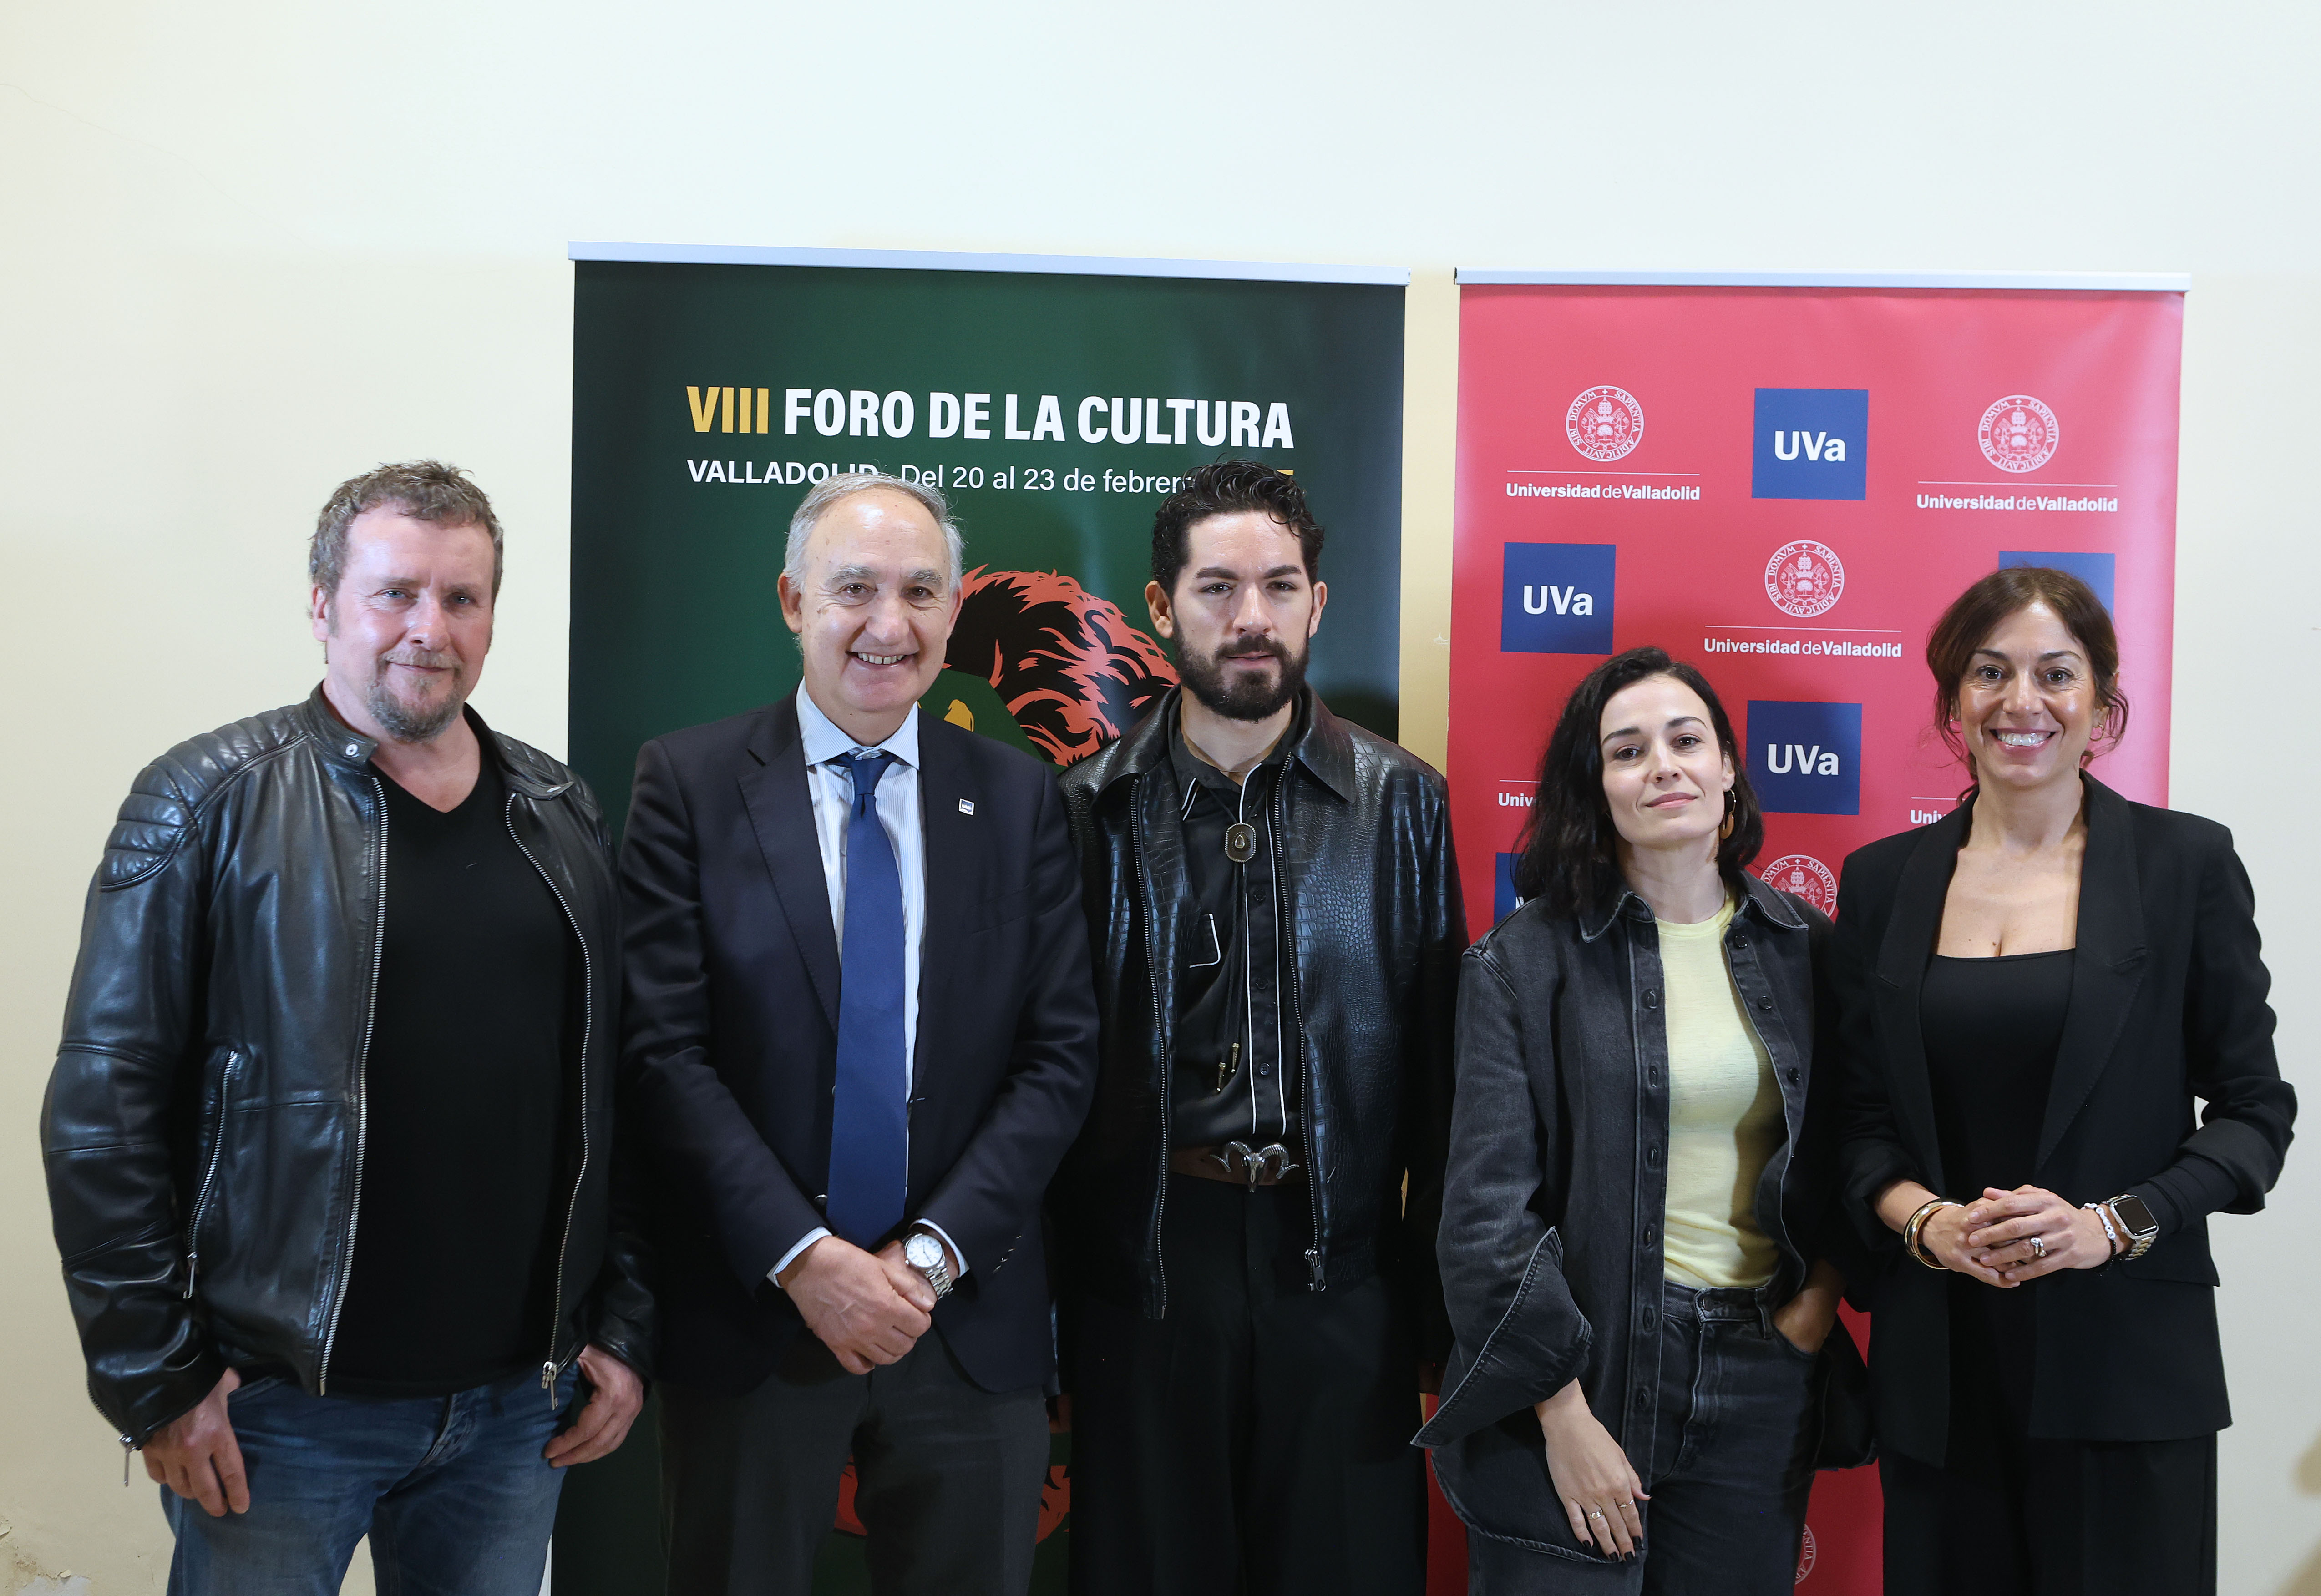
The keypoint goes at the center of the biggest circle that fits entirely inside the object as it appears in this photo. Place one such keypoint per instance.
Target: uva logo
(1806, 1555)
(1804, 578)
(1781, 757)
(1814, 446)
(1565, 601)
(1811, 443)
(2018, 433)
(1806, 757)
(1557, 598)
(1801, 875)
(1605, 423)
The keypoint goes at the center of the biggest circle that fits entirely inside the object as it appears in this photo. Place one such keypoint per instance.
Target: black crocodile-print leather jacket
(1371, 891)
(202, 1127)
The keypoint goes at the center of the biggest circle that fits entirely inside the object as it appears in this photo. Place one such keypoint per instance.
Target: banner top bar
(2114, 282)
(1092, 266)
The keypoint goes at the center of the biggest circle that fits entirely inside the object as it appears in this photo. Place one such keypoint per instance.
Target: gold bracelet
(1916, 1223)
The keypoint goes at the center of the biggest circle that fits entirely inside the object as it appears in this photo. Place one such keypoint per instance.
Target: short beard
(1248, 698)
(403, 723)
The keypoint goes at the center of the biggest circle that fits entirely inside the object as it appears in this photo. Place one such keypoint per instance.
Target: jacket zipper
(362, 1101)
(1312, 1088)
(209, 1177)
(550, 1368)
(1153, 984)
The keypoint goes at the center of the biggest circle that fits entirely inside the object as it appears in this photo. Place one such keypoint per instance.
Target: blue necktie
(870, 1127)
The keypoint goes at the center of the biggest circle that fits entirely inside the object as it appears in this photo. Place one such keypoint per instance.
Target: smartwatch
(2136, 1220)
(924, 1254)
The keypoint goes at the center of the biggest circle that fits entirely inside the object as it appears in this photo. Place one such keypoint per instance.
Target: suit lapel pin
(967, 806)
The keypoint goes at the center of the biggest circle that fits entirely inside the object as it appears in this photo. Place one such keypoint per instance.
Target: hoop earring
(1731, 817)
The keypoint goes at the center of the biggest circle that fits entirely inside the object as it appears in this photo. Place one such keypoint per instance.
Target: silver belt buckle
(1273, 1161)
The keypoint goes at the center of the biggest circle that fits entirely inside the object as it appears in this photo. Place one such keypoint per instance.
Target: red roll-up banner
(1784, 481)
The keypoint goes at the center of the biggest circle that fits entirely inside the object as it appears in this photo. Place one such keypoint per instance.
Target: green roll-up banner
(1055, 402)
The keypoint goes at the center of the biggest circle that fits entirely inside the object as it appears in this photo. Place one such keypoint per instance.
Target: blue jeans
(1732, 1465)
(452, 1491)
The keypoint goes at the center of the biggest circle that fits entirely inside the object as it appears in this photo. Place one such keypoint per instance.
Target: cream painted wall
(250, 248)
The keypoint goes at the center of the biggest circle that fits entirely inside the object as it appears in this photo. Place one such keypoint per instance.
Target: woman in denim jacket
(1637, 1219)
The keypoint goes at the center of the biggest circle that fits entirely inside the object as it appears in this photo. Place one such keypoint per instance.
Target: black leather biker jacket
(1369, 899)
(203, 1130)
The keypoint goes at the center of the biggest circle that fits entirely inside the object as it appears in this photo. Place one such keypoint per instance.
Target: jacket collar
(1758, 901)
(1325, 748)
(346, 748)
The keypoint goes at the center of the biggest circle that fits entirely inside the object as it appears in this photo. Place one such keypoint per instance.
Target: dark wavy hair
(1567, 847)
(1227, 487)
(1977, 613)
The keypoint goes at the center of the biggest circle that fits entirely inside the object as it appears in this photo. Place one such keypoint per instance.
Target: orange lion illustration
(1066, 664)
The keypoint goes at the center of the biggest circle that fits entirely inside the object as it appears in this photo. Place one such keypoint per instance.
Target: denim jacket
(1550, 1246)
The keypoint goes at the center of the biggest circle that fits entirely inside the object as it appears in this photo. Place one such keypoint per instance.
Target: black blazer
(2168, 1003)
(729, 1041)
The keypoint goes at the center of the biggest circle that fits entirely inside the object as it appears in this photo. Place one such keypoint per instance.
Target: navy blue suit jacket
(730, 1037)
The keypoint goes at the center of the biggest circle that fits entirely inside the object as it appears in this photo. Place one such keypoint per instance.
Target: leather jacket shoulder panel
(168, 797)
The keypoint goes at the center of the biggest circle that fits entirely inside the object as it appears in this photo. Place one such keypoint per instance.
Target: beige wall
(247, 249)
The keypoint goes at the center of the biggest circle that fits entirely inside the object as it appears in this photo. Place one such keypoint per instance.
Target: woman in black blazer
(2032, 992)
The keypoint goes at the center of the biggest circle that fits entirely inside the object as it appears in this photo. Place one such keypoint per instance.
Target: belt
(1236, 1164)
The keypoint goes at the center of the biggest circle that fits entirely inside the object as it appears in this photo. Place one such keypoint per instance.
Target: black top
(1235, 1061)
(1991, 1025)
(454, 1269)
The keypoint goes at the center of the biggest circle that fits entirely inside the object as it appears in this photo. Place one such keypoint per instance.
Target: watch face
(2134, 1214)
(923, 1252)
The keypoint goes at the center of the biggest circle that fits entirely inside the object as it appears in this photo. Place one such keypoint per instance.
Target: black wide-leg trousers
(1257, 1439)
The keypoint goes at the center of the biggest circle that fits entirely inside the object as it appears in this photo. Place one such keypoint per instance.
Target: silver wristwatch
(924, 1254)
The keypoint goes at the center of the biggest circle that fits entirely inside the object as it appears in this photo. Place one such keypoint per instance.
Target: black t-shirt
(1236, 1055)
(464, 1173)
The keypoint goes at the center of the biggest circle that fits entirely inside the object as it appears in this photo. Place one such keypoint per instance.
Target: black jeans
(947, 1476)
(1732, 1465)
(1257, 1439)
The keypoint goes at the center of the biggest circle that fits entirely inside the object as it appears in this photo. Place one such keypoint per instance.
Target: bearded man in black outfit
(1245, 1228)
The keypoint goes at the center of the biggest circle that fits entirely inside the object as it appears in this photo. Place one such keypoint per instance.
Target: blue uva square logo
(1806, 758)
(1556, 598)
(1504, 901)
(1811, 443)
(2096, 570)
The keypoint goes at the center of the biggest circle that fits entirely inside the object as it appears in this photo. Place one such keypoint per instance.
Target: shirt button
(1265, 1069)
(1764, 1003)
(1794, 1076)
(1651, 1234)
(352, 749)
(1651, 1158)
(1739, 940)
(1644, 1316)
(1643, 1396)
(1652, 997)
(1651, 1074)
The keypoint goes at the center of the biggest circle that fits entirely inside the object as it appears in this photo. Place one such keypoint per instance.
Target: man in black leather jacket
(331, 1120)
(1245, 1228)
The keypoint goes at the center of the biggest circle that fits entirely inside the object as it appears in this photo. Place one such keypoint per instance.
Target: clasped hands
(1989, 1238)
(868, 1309)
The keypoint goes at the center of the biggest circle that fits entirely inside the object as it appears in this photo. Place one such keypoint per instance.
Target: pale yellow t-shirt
(1725, 1116)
